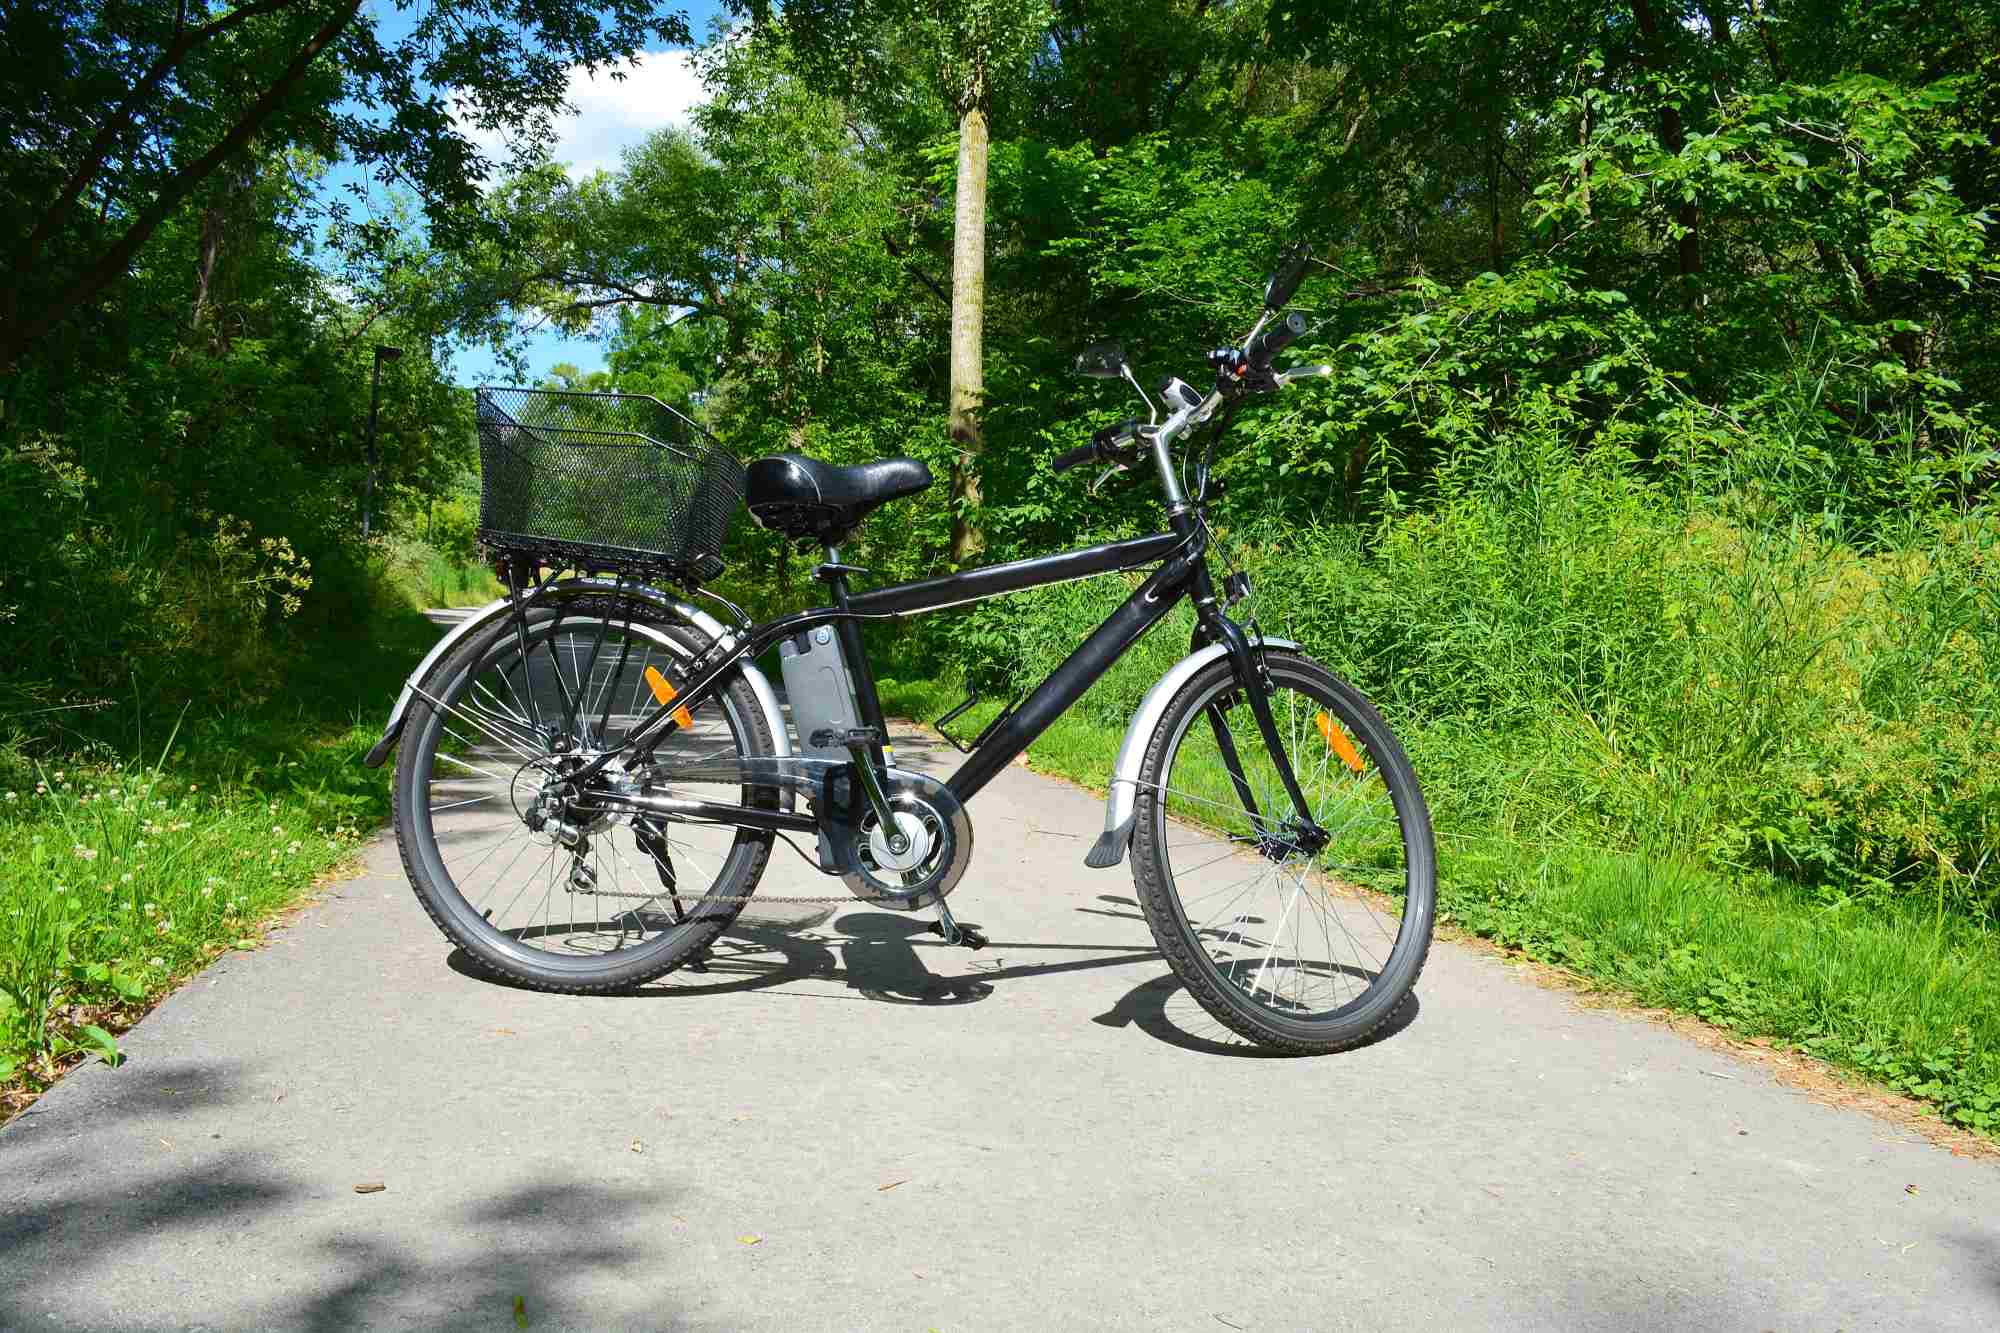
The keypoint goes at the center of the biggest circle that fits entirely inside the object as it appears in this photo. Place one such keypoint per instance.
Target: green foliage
(121, 875)
(115, 881)
(1574, 658)
(1907, 1000)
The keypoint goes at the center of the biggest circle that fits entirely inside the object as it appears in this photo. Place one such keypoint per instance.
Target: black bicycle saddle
(811, 499)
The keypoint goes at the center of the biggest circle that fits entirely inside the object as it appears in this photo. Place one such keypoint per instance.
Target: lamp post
(382, 354)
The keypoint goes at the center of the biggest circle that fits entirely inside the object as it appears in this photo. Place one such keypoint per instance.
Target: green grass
(430, 577)
(126, 864)
(1907, 997)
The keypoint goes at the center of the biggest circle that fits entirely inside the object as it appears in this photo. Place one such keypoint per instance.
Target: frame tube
(908, 599)
(714, 812)
(1145, 608)
(902, 599)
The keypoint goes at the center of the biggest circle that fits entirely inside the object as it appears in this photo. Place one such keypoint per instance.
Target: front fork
(1247, 663)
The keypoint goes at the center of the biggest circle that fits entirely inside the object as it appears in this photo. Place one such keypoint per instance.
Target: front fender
(767, 698)
(1121, 806)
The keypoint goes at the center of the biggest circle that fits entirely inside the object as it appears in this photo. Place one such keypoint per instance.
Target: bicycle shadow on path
(877, 957)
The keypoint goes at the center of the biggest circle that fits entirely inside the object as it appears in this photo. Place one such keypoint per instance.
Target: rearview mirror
(1291, 271)
(1102, 361)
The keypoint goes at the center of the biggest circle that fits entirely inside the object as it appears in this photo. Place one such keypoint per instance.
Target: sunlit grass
(117, 880)
(429, 577)
(128, 864)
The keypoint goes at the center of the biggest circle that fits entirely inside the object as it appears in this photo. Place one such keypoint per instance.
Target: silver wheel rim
(1303, 938)
(582, 887)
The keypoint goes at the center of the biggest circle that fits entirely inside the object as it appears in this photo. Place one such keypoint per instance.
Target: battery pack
(819, 690)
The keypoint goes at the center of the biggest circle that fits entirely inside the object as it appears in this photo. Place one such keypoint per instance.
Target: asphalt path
(846, 1124)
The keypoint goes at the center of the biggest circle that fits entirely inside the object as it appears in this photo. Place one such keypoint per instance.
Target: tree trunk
(1673, 138)
(1497, 244)
(1718, 22)
(223, 215)
(207, 252)
(1582, 148)
(968, 318)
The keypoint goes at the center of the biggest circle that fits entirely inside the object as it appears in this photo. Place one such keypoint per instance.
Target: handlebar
(1275, 339)
(1107, 445)
(1238, 372)
(1077, 457)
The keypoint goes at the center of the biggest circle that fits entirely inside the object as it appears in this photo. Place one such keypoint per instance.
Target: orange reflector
(1336, 740)
(665, 694)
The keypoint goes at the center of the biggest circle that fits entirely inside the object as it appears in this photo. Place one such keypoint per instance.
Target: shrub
(1574, 657)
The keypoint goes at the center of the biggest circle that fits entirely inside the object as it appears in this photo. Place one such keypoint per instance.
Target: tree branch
(910, 265)
(15, 337)
(184, 41)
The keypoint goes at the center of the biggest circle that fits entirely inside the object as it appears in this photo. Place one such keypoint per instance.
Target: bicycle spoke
(1278, 924)
(559, 872)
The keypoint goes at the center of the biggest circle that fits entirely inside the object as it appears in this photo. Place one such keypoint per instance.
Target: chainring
(940, 848)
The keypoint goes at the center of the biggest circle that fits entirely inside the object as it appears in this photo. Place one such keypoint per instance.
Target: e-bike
(593, 769)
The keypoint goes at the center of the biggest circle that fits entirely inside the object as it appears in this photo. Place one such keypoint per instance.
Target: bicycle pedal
(971, 937)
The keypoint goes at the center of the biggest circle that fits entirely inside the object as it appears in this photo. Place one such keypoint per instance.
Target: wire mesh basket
(603, 481)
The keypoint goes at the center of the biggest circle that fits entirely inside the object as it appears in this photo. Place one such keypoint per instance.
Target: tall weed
(1576, 657)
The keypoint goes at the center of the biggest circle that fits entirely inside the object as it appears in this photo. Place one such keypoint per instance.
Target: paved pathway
(848, 1125)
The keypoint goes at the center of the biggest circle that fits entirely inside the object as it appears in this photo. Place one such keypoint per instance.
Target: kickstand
(954, 933)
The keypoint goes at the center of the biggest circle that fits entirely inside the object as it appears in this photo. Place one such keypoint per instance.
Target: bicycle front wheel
(1298, 950)
(574, 891)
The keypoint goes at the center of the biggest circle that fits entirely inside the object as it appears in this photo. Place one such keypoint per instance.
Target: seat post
(834, 574)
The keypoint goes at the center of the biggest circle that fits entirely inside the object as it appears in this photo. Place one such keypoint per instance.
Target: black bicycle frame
(1184, 571)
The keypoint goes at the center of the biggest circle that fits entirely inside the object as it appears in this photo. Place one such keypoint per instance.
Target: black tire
(489, 708)
(1195, 842)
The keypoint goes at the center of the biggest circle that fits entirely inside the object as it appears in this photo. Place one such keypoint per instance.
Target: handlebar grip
(1076, 457)
(1276, 338)
(1107, 446)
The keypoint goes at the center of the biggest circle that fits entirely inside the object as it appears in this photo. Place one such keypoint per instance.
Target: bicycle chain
(750, 897)
(742, 897)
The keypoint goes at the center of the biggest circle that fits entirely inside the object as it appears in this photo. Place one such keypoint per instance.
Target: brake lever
(1102, 477)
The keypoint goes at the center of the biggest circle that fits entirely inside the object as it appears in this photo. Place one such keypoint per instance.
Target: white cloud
(660, 88)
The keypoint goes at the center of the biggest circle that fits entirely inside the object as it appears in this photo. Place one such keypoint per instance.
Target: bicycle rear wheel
(571, 895)
(1298, 951)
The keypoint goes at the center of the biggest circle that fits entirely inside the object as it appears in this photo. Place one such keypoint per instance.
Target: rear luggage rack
(603, 481)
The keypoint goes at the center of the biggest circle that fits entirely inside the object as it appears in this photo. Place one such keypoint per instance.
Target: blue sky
(610, 115)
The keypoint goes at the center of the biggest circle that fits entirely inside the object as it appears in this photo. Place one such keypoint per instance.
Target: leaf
(750, 1240)
(106, 1045)
(520, 1312)
(370, 1187)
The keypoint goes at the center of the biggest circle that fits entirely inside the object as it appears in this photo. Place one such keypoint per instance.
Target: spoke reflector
(1336, 740)
(665, 693)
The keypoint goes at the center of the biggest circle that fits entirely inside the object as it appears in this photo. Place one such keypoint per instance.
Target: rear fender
(673, 608)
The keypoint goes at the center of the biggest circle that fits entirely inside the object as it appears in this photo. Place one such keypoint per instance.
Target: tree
(127, 111)
(969, 49)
